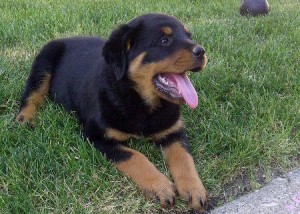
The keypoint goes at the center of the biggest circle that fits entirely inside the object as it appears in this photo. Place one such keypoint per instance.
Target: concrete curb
(280, 196)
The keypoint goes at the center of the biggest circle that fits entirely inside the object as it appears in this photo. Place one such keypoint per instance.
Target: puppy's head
(156, 51)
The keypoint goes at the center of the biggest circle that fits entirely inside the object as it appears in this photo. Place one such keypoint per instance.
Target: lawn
(244, 132)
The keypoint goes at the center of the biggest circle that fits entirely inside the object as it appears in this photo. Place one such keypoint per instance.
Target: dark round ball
(254, 7)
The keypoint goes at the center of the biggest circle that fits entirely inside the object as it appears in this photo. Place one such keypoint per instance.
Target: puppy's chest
(143, 124)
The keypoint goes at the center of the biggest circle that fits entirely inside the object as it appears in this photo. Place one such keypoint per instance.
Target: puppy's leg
(38, 83)
(33, 98)
(137, 167)
(182, 168)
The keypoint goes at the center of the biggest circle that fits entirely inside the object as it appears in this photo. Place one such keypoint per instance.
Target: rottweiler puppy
(130, 85)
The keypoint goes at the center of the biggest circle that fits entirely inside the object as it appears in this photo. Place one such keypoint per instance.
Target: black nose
(199, 51)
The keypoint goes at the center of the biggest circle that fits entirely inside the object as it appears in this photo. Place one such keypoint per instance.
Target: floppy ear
(116, 48)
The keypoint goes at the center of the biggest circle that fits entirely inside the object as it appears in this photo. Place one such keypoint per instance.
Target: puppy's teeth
(163, 80)
(160, 79)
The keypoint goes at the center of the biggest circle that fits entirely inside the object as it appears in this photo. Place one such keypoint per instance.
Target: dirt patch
(241, 185)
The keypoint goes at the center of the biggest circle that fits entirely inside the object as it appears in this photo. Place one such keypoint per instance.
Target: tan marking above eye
(167, 31)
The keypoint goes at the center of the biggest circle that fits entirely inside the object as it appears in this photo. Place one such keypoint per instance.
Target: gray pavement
(280, 196)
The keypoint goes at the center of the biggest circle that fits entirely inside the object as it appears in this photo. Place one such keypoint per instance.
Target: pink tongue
(186, 88)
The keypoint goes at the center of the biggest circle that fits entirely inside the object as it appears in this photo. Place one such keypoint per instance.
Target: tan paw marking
(193, 191)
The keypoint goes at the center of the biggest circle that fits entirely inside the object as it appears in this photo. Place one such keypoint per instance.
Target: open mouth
(177, 87)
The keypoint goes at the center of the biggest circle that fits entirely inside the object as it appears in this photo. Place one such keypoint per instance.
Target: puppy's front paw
(161, 189)
(192, 190)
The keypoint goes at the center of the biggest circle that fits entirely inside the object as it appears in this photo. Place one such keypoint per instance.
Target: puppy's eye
(165, 41)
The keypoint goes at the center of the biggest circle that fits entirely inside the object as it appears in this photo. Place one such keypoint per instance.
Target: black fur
(89, 75)
(44, 63)
(114, 50)
(179, 136)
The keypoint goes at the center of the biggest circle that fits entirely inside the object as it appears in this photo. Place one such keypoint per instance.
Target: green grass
(245, 128)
